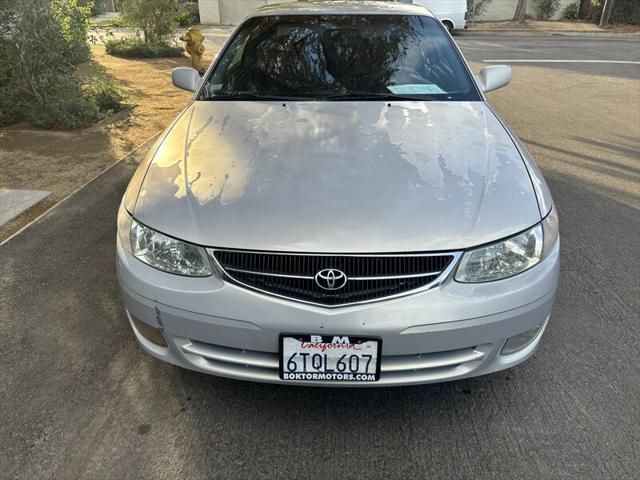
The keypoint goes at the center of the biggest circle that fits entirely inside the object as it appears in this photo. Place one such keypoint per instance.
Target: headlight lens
(503, 259)
(162, 252)
(511, 256)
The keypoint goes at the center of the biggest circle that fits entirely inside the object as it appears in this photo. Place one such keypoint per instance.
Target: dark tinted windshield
(340, 57)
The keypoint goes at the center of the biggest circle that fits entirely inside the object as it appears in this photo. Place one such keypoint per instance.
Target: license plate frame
(337, 377)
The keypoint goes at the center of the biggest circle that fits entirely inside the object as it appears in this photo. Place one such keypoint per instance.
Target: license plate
(329, 358)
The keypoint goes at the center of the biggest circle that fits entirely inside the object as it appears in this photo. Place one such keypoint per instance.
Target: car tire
(449, 25)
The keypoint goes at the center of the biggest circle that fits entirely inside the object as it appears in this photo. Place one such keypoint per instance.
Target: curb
(542, 33)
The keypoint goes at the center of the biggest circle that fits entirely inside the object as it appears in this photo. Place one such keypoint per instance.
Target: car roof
(340, 7)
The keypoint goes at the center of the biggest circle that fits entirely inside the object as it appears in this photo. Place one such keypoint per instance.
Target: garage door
(232, 11)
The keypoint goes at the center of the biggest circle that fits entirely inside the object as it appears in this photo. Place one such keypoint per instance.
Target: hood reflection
(327, 173)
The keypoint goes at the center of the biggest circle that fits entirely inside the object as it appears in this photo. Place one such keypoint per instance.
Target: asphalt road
(79, 399)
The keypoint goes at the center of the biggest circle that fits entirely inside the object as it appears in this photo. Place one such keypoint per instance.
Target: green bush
(571, 11)
(64, 108)
(154, 18)
(40, 46)
(134, 47)
(190, 14)
(73, 18)
(68, 104)
(184, 19)
(545, 9)
(103, 93)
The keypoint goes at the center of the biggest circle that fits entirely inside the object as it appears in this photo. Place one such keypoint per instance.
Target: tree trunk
(606, 13)
(521, 11)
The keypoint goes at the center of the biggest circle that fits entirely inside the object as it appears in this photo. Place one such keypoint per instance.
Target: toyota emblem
(331, 279)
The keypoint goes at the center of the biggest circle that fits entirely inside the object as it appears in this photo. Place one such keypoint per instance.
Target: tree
(155, 18)
(521, 11)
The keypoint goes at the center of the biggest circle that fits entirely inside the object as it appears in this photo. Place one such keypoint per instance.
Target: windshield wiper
(376, 96)
(246, 95)
(254, 96)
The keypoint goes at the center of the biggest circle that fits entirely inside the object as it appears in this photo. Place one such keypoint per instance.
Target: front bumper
(451, 332)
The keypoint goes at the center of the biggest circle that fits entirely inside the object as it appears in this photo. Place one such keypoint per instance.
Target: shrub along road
(79, 399)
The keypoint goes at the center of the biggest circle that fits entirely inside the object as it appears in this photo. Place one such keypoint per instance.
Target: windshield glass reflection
(339, 57)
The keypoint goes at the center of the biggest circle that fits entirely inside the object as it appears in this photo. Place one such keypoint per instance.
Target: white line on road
(628, 62)
(476, 45)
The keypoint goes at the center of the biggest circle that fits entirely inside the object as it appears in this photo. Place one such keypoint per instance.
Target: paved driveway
(80, 400)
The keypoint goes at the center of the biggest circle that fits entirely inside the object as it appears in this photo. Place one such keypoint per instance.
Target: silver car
(339, 205)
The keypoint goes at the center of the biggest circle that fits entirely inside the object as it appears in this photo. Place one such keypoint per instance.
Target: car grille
(368, 277)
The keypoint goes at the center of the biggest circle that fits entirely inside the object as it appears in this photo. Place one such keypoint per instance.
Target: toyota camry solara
(339, 205)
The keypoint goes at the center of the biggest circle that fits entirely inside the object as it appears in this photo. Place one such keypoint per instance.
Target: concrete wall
(504, 9)
(213, 11)
(209, 11)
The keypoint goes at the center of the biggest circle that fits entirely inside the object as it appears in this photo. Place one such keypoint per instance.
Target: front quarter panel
(542, 191)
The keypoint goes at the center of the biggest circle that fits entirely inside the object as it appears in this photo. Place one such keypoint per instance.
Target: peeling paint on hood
(338, 177)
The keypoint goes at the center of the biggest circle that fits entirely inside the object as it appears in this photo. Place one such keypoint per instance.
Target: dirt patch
(622, 28)
(60, 162)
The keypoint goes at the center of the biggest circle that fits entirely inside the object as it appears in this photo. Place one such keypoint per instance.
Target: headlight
(161, 252)
(511, 256)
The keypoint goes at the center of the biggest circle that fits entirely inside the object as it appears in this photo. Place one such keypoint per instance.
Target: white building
(230, 12)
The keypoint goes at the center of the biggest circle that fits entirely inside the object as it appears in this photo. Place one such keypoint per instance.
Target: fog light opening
(522, 340)
(148, 332)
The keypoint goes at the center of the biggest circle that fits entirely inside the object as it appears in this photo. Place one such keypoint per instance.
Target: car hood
(337, 177)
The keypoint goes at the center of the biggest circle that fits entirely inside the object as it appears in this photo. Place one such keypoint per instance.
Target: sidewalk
(539, 27)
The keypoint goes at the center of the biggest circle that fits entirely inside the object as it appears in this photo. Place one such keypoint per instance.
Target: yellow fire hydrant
(195, 48)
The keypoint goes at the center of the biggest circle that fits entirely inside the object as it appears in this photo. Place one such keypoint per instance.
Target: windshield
(339, 57)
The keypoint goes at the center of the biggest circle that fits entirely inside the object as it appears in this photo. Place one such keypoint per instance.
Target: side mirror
(186, 78)
(494, 77)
